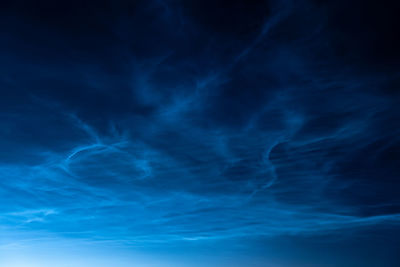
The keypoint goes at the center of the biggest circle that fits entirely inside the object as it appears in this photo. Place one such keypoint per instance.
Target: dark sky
(199, 133)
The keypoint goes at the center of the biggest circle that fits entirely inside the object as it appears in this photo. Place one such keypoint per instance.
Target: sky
(199, 133)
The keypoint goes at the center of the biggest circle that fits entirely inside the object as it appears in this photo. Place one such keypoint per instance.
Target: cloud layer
(153, 123)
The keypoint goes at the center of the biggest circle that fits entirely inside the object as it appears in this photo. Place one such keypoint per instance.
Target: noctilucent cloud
(199, 133)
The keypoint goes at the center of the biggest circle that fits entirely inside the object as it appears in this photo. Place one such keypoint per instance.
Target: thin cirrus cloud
(196, 132)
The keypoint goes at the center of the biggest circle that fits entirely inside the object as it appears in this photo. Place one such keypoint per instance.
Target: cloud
(162, 123)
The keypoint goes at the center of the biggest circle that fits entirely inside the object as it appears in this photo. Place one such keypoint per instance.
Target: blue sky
(199, 133)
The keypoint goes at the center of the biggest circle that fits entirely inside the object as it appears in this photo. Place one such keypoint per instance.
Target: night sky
(199, 133)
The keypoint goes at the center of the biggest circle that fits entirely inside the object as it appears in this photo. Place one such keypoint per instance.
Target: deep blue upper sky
(199, 133)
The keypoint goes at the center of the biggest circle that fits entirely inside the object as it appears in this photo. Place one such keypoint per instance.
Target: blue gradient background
(199, 133)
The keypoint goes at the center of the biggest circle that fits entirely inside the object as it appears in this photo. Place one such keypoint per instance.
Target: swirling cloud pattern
(255, 133)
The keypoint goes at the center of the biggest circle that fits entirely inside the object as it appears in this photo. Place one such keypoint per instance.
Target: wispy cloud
(169, 123)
